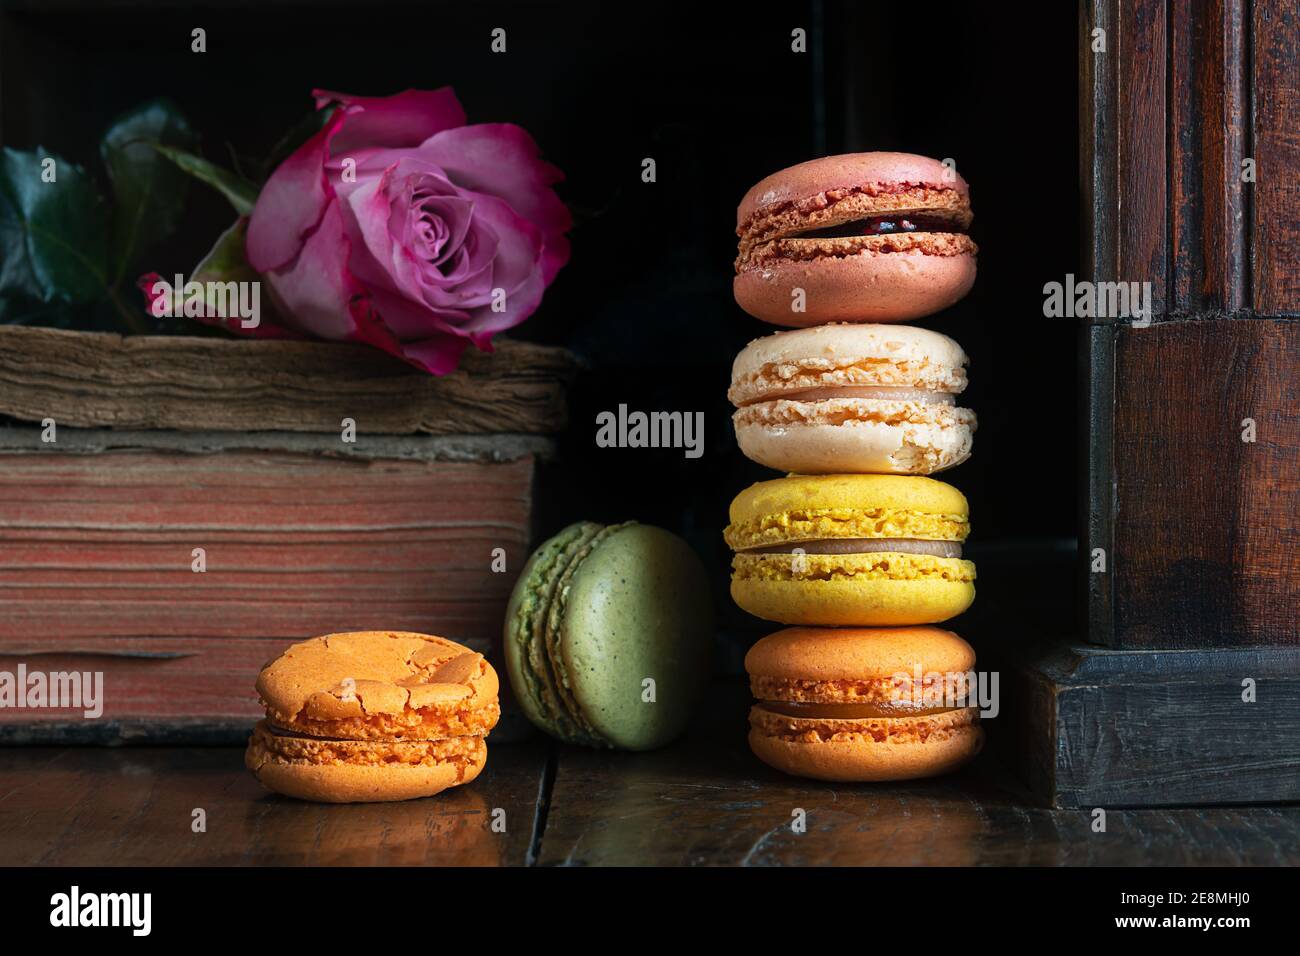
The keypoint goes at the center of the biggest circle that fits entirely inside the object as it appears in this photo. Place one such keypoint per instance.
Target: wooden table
(704, 800)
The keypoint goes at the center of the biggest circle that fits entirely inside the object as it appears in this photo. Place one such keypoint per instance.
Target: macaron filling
(913, 727)
(822, 225)
(786, 528)
(865, 205)
(269, 743)
(884, 393)
(902, 690)
(880, 226)
(861, 566)
(818, 711)
(938, 549)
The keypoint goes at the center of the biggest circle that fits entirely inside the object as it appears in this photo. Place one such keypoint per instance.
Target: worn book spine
(176, 575)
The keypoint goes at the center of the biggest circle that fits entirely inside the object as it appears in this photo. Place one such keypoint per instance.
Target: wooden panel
(1139, 50)
(1122, 110)
(1190, 516)
(1097, 144)
(195, 383)
(1091, 727)
(1208, 123)
(96, 553)
(1097, 486)
(1098, 170)
(1207, 546)
(1275, 237)
(132, 807)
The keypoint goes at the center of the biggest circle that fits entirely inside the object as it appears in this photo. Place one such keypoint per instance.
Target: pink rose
(399, 226)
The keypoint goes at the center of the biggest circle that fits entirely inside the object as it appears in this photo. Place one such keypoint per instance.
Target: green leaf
(225, 262)
(239, 191)
(149, 191)
(20, 310)
(53, 235)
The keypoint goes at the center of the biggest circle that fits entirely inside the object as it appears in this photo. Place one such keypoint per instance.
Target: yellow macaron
(851, 550)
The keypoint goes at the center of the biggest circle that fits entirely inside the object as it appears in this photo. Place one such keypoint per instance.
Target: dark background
(715, 95)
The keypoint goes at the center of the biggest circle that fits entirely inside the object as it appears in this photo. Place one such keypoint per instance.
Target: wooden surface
(1275, 210)
(1123, 155)
(1208, 117)
(134, 807)
(196, 383)
(1183, 94)
(1089, 726)
(1197, 527)
(1207, 548)
(96, 564)
(702, 801)
(1139, 51)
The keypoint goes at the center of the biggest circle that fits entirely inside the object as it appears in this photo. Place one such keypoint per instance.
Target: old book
(174, 563)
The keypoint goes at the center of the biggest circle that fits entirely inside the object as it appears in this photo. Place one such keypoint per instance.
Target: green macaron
(609, 635)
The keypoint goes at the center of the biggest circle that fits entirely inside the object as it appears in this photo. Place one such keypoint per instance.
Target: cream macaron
(878, 399)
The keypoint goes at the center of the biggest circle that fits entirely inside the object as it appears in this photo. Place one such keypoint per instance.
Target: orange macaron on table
(856, 545)
(373, 716)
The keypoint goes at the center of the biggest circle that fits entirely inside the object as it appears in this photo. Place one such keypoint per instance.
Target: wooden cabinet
(1191, 170)
(1186, 689)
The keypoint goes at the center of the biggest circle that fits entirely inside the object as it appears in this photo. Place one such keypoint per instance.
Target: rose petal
(292, 202)
(367, 212)
(521, 302)
(438, 354)
(406, 255)
(317, 287)
(519, 244)
(404, 119)
(503, 160)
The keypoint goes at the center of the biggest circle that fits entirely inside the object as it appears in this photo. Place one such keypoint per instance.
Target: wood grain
(1098, 171)
(96, 562)
(1207, 546)
(1195, 526)
(704, 800)
(1208, 122)
(196, 384)
(1141, 111)
(1098, 152)
(133, 807)
(1123, 155)
(708, 801)
(1275, 226)
(1089, 726)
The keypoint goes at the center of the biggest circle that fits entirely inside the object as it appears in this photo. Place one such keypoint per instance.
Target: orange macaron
(863, 704)
(371, 716)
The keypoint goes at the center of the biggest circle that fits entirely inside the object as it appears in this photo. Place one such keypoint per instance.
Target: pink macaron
(863, 237)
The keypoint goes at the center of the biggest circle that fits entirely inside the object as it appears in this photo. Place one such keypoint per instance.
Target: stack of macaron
(856, 547)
